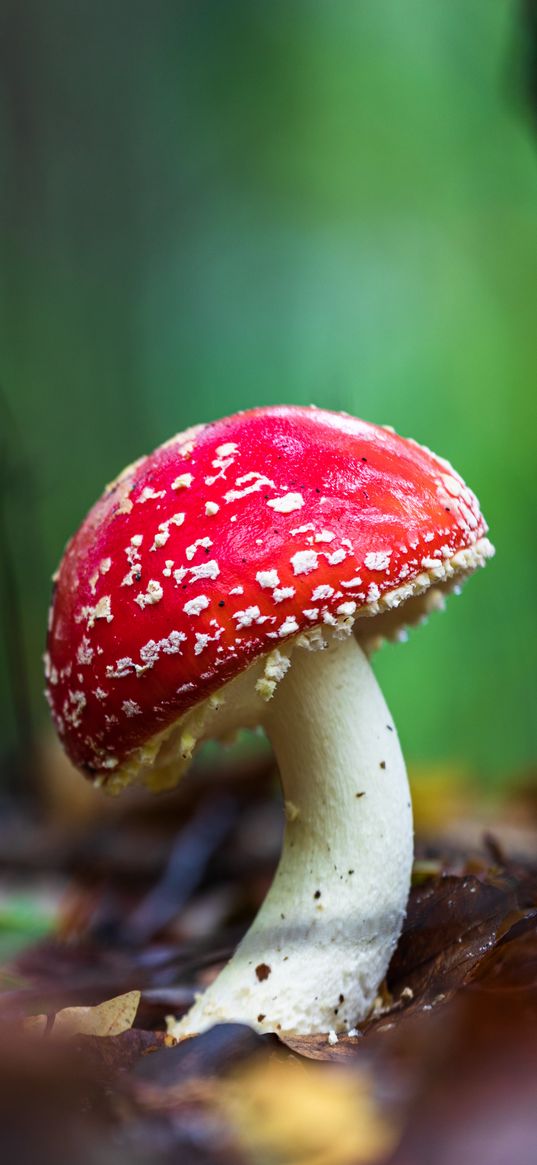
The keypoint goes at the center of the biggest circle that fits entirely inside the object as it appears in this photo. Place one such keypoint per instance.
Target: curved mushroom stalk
(315, 955)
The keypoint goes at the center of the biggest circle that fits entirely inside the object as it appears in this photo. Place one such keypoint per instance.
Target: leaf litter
(444, 1069)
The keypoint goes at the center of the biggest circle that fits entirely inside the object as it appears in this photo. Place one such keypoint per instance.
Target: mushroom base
(315, 955)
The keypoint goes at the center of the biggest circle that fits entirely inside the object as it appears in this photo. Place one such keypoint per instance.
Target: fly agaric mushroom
(241, 575)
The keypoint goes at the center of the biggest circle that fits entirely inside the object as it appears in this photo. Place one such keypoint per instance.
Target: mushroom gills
(314, 957)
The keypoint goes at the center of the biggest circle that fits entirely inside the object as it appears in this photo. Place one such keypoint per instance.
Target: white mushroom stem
(319, 948)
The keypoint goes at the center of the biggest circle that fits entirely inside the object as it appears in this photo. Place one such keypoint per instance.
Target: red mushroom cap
(223, 543)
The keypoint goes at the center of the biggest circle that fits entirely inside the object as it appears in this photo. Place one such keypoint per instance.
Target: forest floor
(113, 915)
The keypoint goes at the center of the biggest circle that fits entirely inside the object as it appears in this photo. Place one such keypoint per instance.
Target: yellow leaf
(291, 1112)
(110, 1018)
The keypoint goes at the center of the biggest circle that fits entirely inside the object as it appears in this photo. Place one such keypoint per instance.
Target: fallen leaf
(476, 1074)
(289, 1111)
(54, 1106)
(215, 1053)
(317, 1047)
(122, 1053)
(110, 1018)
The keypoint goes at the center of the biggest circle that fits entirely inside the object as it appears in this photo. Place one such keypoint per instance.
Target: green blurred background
(211, 205)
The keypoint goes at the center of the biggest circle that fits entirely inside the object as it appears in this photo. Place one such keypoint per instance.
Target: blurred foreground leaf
(288, 1111)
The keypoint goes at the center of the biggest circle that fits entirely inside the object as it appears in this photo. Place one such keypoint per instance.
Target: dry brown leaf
(122, 1053)
(318, 1046)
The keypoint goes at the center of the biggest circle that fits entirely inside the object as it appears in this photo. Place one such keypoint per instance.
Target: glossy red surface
(211, 551)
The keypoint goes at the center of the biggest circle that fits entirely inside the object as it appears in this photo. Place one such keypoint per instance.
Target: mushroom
(241, 575)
